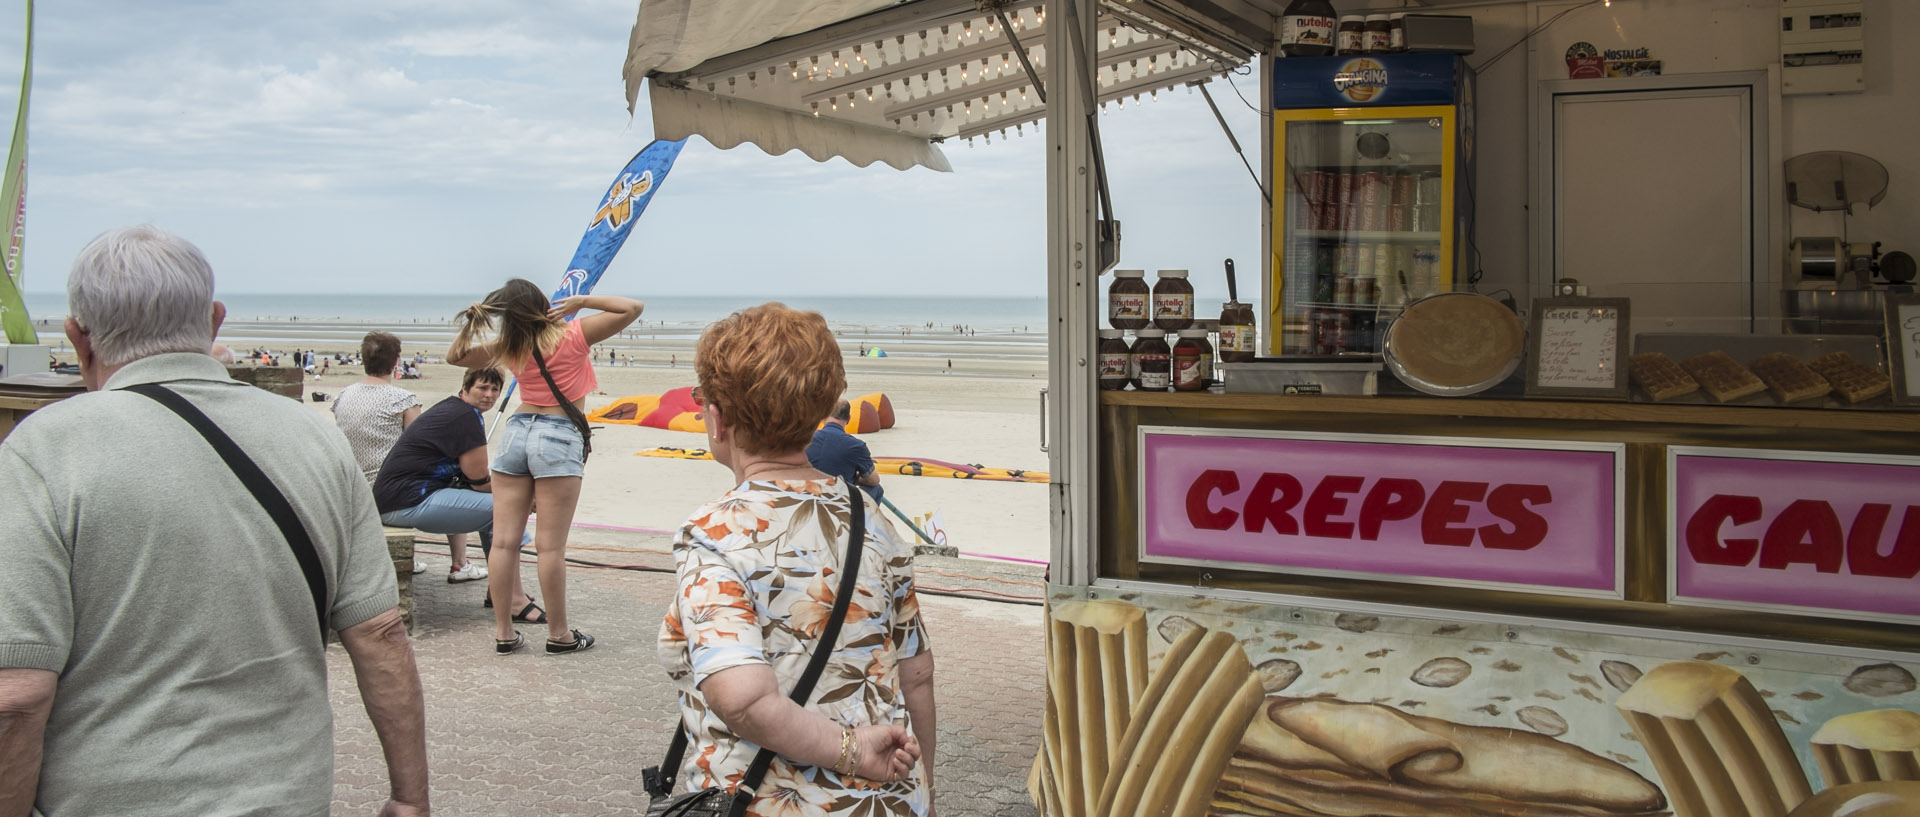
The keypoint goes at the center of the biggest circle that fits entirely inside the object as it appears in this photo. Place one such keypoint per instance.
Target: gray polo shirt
(135, 564)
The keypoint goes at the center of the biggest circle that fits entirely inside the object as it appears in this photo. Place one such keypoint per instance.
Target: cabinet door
(1653, 198)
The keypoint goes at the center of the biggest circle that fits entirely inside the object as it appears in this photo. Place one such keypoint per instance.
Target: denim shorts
(540, 446)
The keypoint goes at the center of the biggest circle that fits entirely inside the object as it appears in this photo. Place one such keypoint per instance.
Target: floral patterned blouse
(758, 572)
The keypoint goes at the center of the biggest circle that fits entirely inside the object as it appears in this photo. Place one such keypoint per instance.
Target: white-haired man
(161, 630)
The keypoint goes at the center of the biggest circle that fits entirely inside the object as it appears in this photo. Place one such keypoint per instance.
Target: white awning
(882, 81)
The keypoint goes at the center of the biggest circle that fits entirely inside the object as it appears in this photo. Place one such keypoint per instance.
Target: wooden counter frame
(1646, 430)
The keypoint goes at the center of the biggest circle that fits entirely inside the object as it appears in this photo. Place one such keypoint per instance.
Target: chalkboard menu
(1903, 346)
(1577, 347)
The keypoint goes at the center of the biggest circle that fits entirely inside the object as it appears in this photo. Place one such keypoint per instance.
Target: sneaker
(467, 573)
(419, 567)
(581, 643)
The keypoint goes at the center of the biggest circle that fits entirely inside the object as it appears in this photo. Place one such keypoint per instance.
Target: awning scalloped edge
(726, 122)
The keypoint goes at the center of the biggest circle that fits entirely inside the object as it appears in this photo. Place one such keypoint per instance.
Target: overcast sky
(431, 145)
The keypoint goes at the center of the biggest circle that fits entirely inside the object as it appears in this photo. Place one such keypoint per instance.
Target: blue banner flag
(619, 209)
(612, 222)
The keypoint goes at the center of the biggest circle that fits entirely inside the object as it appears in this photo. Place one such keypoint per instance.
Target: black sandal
(506, 647)
(581, 642)
(525, 616)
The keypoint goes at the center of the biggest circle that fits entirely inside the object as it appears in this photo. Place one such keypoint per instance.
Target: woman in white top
(372, 412)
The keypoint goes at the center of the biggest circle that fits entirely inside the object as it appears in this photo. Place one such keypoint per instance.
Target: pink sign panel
(1824, 534)
(1530, 515)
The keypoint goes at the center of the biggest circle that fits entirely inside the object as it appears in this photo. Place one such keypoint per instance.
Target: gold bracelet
(849, 752)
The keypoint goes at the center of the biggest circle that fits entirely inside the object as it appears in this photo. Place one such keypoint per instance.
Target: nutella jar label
(1123, 306)
(1236, 338)
(1173, 306)
(1307, 30)
(1116, 366)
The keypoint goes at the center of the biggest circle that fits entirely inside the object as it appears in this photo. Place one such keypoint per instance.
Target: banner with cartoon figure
(622, 205)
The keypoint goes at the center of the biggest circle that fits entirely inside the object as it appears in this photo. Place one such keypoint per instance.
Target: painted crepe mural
(1255, 709)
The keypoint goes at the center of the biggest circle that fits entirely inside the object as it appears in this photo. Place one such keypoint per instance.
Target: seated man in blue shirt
(836, 453)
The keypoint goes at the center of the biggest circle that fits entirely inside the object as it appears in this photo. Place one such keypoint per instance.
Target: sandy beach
(962, 399)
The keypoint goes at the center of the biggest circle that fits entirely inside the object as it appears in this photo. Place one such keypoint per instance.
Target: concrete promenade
(531, 734)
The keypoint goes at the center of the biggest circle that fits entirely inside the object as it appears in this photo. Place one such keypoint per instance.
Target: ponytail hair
(520, 308)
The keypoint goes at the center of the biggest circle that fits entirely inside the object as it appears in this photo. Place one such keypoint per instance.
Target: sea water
(876, 314)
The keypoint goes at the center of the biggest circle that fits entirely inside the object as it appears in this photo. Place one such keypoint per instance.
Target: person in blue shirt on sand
(834, 451)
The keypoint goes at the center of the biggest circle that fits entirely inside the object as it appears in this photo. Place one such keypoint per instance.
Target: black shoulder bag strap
(259, 485)
(573, 411)
(659, 783)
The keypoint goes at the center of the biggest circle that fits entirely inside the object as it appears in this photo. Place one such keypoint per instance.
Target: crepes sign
(1822, 534)
(1541, 516)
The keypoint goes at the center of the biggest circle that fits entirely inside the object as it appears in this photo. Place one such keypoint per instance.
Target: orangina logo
(1361, 79)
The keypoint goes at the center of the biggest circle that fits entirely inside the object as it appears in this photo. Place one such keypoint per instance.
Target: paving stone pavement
(531, 734)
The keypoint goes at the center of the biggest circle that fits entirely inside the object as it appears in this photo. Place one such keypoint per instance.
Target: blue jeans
(450, 510)
(540, 446)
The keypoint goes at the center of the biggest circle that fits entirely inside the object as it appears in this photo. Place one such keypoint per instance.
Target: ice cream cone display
(1879, 744)
(1716, 745)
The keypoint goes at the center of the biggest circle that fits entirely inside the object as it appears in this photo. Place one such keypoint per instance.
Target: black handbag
(712, 802)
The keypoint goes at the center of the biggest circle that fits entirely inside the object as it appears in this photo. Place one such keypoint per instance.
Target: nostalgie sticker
(1539, 516)
(1800, 532)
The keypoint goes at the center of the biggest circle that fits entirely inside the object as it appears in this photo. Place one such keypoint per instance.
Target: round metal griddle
(1455, 343)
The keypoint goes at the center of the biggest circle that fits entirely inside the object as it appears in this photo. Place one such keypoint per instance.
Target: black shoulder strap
(661, 783)
(573, 411)
(259, 485)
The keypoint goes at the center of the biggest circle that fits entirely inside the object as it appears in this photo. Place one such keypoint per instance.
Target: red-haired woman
(542, 454)
(759, 570)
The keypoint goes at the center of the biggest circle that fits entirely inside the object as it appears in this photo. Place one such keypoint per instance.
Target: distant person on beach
(164, 652)
(543, 453)
(436, 480)
(834, 451)
(735, 647)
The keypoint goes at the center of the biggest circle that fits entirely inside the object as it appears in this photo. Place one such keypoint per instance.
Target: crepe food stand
(1398, 604)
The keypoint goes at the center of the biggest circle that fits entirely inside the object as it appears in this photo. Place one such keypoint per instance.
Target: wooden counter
(14, 409)
(1646, 430)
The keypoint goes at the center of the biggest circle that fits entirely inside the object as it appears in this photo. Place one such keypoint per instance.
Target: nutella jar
(1236, 333)
(1152, 361)
(1397, 32)
(1116, 360)
(1172, 300)
(1129, 299)
(1307, 28)
(1379, 34)
(1192, 361)
(1352, 36)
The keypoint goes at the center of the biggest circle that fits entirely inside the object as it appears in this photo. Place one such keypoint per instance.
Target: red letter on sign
(1448, 506)
(1326, 502)
(1390, 499)
(1199, 512)
(1510, 502)
(1863, 544)
(1269, 501)
(1703, 530)
(1807, 531)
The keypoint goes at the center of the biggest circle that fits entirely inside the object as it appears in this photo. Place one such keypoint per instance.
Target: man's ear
(219, 317)
(82, 350)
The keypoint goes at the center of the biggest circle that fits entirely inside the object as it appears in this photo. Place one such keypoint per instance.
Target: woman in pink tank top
(542, 454)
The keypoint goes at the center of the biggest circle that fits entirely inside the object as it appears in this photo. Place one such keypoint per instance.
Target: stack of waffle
(1722, 376)
(1660, 377)
(1789, 379)
(1852, 380)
